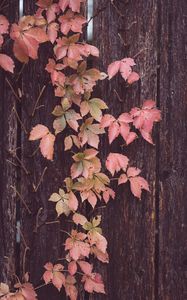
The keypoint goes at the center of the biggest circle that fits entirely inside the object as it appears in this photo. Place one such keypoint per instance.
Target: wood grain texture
(44, 177)
(8, 142)
(173, 150)
(147, 238)
(128, 223)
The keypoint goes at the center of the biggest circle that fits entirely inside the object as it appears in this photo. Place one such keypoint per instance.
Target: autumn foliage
(89, 181)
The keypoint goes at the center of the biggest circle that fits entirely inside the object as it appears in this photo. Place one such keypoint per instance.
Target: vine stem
(21, 198)
(38, 99)
(41, 286)
(12, 89)
(65, 232)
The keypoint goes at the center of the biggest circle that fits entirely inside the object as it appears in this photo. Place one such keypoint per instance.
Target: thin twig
(40, 181)
(117, 9)
(22, 165)
(22, 68)
(22, 200)
(23, 238)
(37, 219)
(122, 40)
(96, 14)
(133, 23)
(64, 258)
(35, 151)
(38, 99)
(65, 232)
(2, 3)
(142, 50)
(21, 123)
(27, 249)
(41, 286)
(12, 89)
(10, 162)
(52, 222)
(119, 98)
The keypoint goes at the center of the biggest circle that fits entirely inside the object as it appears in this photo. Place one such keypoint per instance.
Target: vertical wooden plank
(129, 224)
(42, 242)
(42, 177)
(173, 141)
(8, 142)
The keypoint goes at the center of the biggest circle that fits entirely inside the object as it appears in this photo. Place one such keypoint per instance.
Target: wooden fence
(147, 239)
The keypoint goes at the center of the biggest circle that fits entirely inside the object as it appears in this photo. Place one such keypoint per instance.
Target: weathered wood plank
(8, 142)
(128, 223)
(173, 142)
(43, 178)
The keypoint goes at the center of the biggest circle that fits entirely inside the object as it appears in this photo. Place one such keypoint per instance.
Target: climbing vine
(61, 24)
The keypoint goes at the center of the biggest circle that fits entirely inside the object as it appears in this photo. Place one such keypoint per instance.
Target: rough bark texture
(172, 173)
(147, 241)
(8, 145)
(130, 224)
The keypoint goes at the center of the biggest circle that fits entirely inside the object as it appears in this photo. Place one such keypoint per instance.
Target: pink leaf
(93, 283)
(72, 268)
(79, 219)
(6, 63)
(116, 162)
(113, 69)
(70, 288)
(38, 132)
(47, 146)
(28, 291)
(107, 194)
(4, 24)
(133, 172)
(133, 77)
(131, 137)
(52, 32)
(122, 179)
(113, 132)
(137, 184)
(85, 267)
(107, 120)
(53, 273)
(73, 4)
(73, 202)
